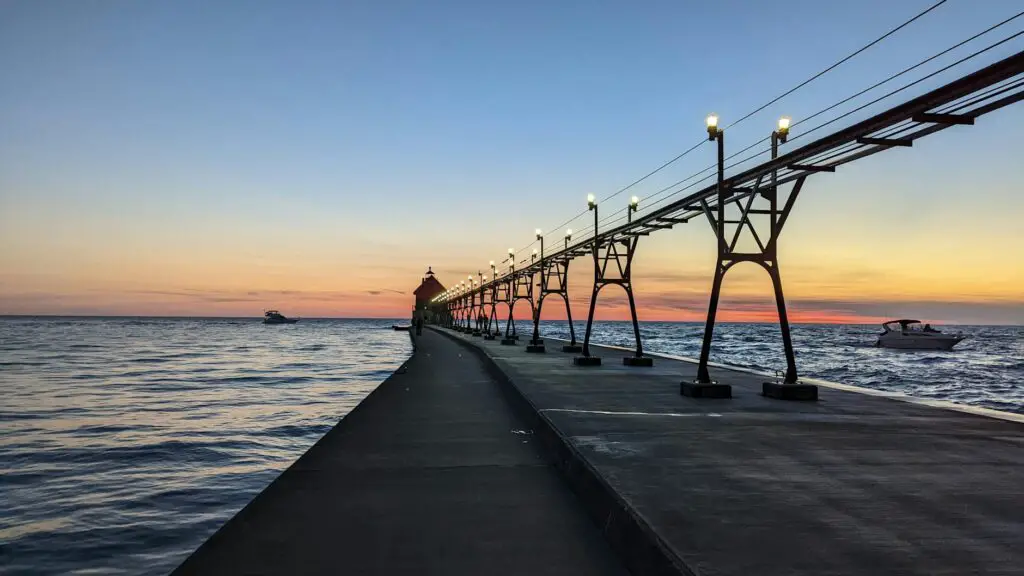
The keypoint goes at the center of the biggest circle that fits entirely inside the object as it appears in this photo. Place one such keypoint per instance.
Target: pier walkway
(430, 474)
(852, 484)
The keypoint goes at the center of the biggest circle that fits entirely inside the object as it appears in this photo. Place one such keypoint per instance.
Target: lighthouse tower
(429, 288)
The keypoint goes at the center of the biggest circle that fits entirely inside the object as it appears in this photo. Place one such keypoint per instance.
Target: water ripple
(127, 442)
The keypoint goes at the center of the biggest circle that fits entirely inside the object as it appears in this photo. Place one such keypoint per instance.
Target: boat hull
(918, 343)
(285, 321)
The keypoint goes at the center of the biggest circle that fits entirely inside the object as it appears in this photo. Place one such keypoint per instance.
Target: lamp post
(568, 237)
(543, 284)
(715, 134)
(779, 135)
(634, 203)
(462, 291)
(478, 296)
(592, 206)
(470, 320)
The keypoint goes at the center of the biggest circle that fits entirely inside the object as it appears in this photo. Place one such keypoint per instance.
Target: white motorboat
(910, 335)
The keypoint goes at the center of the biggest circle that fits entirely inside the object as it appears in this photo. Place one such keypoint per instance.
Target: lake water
(125, 443)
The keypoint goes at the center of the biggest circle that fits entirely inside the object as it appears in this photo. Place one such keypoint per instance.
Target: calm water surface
(126, 442)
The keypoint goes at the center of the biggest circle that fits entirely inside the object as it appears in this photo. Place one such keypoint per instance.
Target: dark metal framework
(521, 287)
(499, 295)
(620, 254)
(958, 103)
(554, 279)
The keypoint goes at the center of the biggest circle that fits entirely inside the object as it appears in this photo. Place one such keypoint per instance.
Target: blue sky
(378, 137)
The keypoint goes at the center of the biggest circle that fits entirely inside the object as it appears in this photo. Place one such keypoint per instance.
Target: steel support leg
(787, 341)
(568, 314)
(703, 387)
(638, 359)
(709, 327)
(510, 326)
(536, 344)
(587, 359)
(572, 346)
(536, 320)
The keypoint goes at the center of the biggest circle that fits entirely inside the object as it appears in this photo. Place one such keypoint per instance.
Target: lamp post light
(634, 203)
(533, 257)
(779, 136)
(511, 260)
(568, 237)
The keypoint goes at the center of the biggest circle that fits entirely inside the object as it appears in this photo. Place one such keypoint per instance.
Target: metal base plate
(635, 361)
(587, 361)
(488, 336)
(509, 341)
(790, 391)
(705, 390)
(572, 348)
(535, 348)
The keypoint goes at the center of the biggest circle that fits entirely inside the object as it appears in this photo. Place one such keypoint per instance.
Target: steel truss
(554, 279)
(521, 288)
(958, 103)
(620, 253)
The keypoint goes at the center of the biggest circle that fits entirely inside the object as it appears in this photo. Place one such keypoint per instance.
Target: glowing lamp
(783, 130)
(712, 124)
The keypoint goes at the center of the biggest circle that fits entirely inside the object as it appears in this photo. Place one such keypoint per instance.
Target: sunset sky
(219, 158)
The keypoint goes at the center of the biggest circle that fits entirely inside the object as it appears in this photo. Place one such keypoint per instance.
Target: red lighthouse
(429, 288)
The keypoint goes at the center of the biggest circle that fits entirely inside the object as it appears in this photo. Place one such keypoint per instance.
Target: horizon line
(151, 316)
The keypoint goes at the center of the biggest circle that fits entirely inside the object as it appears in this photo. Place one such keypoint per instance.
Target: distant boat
(275, 317)
(910, 335)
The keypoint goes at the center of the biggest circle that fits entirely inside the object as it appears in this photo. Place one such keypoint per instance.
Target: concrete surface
(431, 474)
(852, 484)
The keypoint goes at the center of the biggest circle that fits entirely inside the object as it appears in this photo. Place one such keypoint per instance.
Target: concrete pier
(478, 458)
(432, 473)
(852, 484)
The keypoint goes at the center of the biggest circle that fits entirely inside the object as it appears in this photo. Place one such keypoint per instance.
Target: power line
(837, 64)
(759, 109)
(844, 101)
